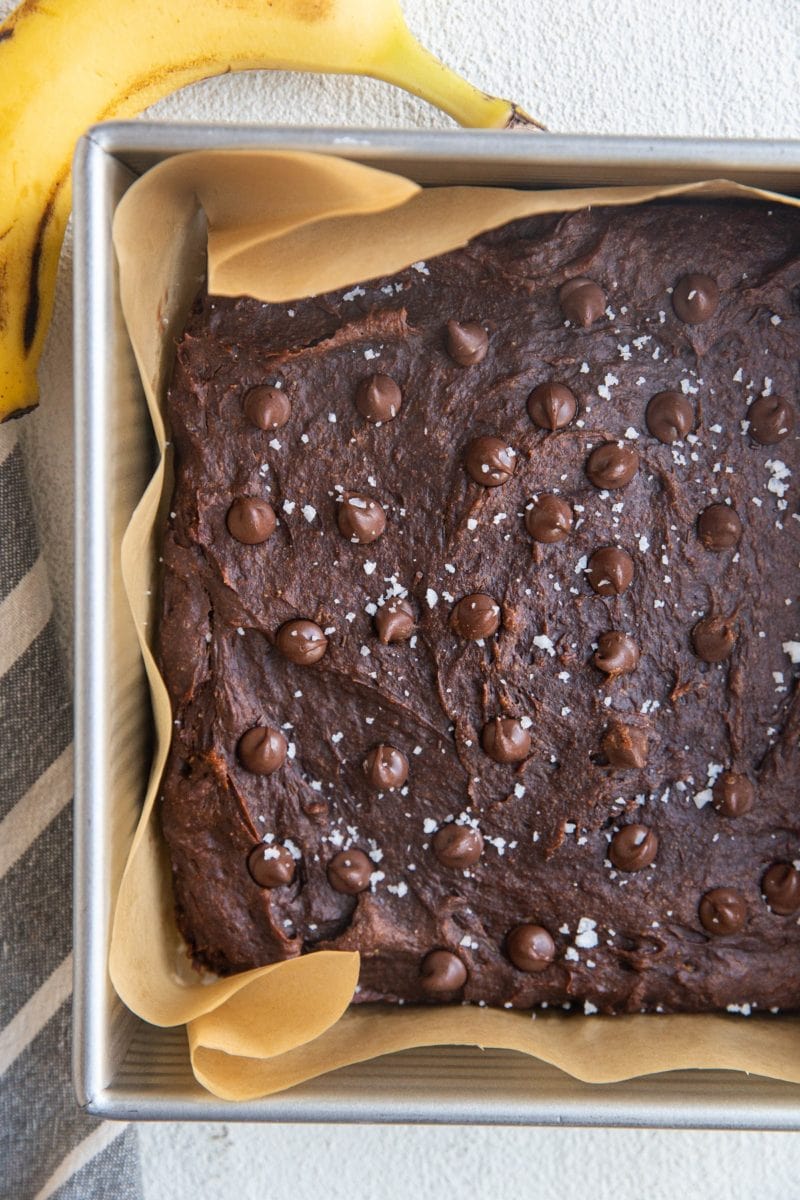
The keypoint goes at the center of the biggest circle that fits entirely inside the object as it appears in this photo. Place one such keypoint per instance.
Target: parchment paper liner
(282, 226)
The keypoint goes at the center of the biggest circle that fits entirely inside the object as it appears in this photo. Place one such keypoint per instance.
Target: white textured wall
(694, 67)
(252, 1162)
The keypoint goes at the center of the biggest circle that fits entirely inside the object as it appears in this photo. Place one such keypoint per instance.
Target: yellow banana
(65, 64)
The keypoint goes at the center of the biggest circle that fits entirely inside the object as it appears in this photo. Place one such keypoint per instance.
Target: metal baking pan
(124, 1068)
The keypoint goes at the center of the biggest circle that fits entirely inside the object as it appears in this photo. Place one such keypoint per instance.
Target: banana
(66, 64)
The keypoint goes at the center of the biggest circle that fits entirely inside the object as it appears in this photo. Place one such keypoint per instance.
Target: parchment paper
(279, 227)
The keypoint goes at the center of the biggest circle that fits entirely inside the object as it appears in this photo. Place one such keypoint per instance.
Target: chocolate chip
(633, 848)
(360, 519)
(625, 747)
(476, 616)
(250, 521)
(719, 527)
(302, 642)
(610, 571)
(616, 653)
(548, 519)
(442, 972)
(466, 344)
(713, 639)
(695, 298)
(504, 740)
(262, 750)
(267, 407)
(771, 420)
(379, 398)
(780, 887)
(386, 768)
(669, 416)
(457, 846)
(551, 406)
(582, 301)
(394, 621)
(490, 461)
(530, 948)
(612, 466)
(733, 794)
(270, 866)
(723, 911)
(349, 872)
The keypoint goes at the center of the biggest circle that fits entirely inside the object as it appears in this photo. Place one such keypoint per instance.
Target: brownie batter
(481, 621)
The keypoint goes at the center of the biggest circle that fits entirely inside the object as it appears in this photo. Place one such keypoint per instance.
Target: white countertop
(691, 67)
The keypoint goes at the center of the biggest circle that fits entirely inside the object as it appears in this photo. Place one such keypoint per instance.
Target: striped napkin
(48, 1146)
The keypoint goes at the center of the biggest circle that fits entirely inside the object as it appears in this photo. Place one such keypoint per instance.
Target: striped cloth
(48, 1146)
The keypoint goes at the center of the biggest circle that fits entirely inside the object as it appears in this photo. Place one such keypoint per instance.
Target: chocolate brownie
(481, 623)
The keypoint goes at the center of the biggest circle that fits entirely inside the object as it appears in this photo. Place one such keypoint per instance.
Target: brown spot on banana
(26, 9)
(308, 10)
(17, 413)
(297, 10)
(3, 294)
(519, 119)
(31, 318)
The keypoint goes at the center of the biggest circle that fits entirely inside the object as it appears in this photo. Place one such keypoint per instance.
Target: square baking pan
(123, 1067)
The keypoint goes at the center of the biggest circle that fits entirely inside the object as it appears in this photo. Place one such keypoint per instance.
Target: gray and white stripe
(48, 1146)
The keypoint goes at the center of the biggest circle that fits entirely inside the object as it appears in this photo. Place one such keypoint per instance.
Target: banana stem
(407, 64)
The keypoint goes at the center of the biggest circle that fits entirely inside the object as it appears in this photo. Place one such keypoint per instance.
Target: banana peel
(67, 64)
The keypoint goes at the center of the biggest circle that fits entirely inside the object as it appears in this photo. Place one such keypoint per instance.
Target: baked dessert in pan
(480, 619)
